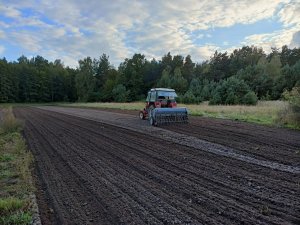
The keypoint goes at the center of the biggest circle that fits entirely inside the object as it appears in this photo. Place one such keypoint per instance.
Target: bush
(216, 99)
(233, 91)
(291, 115)
(190, 98)
(120, 94)
(250, 98)
(293, 97)
(232, 99)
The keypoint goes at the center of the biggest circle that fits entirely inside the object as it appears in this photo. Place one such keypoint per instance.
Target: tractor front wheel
(142, 115)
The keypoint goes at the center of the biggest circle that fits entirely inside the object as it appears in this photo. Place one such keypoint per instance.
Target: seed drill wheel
(152, 121)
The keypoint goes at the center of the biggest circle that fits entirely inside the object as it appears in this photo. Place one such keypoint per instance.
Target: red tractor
(161, 107)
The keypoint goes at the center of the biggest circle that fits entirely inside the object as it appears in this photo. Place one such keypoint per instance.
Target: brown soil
(269, 143)
(91, 172)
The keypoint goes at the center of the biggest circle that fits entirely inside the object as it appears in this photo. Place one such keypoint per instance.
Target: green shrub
(250, 98)
(291, 114)
(233, 91)
(216, 99)
(293, 96)
(190, 98)
(120, 94)
(232, 99)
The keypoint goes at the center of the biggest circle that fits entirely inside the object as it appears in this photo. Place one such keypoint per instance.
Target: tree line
(241, 77)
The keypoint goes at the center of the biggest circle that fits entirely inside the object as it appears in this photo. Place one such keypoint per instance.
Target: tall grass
(108, 105)
(15, 174)
(10, 204)
(8, 122)
(265, 112)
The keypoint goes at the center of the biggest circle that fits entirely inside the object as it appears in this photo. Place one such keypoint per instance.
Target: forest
(244, 76)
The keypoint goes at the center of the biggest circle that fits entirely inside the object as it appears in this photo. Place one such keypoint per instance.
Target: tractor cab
(161, 98)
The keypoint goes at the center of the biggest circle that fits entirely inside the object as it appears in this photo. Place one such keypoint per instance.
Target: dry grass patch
(265, 112)
(8, 122)
(108, 105)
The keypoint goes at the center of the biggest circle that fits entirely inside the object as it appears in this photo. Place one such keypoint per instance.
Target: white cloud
(290, 13)
(27, 41)
(206, 14)
(71, 30)
(2, 49)
(59, 32)
(33, 22)
(9, 11)
(68, 60)
(2, 34)
(170, 26)
(3, 25)
(268, 40)
(295, 43)
(204, 52)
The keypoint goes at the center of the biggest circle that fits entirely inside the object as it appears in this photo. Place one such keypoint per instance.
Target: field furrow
(91, 172)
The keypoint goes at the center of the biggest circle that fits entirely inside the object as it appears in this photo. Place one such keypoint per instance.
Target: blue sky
(71, 29)
(234, 35)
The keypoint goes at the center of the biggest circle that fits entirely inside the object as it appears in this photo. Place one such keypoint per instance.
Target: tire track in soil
(263, 142)
(266, 143)
(150, 181)
(138, 144)
(130, 122)
(72, 200)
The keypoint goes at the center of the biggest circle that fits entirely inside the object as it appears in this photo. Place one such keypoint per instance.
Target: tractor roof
(162, 89)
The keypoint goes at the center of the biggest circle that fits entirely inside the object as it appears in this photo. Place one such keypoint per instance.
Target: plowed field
(101, 167)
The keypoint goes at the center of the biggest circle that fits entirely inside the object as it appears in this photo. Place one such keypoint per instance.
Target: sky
(74, 29)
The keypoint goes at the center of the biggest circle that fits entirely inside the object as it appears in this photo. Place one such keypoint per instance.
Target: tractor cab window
(168, 95)
(153, 96)
(161, 97)
(148, 97)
